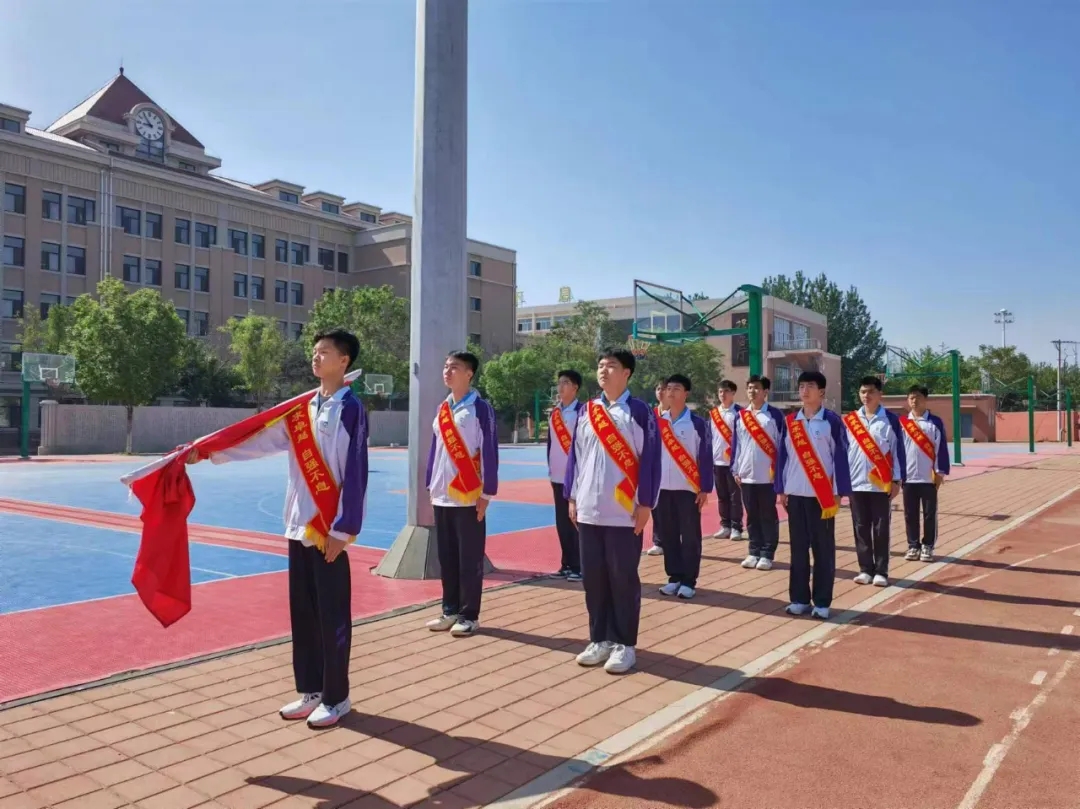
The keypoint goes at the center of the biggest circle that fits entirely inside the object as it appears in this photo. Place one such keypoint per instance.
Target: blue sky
(923, 151)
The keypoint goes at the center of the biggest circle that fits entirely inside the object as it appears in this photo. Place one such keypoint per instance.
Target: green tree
(853, 333)
(921, 368)
(259, 347)
(1001, 371)
(203, 378)
(701, 361)
(127, 347)
(295, 370)
(513, 379)
(44, 337)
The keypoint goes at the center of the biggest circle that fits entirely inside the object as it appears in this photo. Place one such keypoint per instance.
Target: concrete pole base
(415, 555)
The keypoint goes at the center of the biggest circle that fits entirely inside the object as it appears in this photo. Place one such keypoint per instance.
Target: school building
(794, 339)
(117, 186)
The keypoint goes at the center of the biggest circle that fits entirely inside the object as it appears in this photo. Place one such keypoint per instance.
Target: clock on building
(149, 125)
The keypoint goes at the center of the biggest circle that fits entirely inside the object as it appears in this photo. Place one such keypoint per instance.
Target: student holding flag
(324, 507)
(613, 477)
(462, 477)
(759, 432)
(812, 475)
(927, 465)
(878, 468)
(561, 423)
(686, 479)
(728, 496)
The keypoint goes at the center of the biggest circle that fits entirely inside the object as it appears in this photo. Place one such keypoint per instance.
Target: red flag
(162, 575)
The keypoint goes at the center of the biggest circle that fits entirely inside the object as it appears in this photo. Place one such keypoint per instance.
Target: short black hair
(727, 384)
(764, 381)
(870, 382)
(621, 356)
(815, 377)
(679, 379)
(468, 358)
(344, 341)
(572, 375)
(919, 389)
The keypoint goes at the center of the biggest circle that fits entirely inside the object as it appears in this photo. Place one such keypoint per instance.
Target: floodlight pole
(25, 442)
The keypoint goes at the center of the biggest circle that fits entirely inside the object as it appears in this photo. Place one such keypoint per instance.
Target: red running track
(967, 698)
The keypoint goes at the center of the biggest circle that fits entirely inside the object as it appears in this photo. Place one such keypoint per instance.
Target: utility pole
(1003, 317)
(1060, 388)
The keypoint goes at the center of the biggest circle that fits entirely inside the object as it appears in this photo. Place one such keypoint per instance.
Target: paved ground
(464, 723)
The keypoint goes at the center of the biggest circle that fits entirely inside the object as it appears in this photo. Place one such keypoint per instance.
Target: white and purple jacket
(475, 420)
(591, 475)
(830, 438)
(555, 456)
(888, 433)
(730, 418)
(694, 433)
(920, 469)
(749, 463)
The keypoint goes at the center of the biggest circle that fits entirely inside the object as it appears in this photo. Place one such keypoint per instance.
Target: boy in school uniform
(759, 431)
(728, 496)
(327, 441)
(686, 478)
(657, 547)
(613, 476)
(927, 465)
(561, 423)
(462, 478)
(812, 475)
(878, 468)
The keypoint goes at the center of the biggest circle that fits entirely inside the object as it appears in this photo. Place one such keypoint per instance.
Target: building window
(343, 263)
(185, 166)
(327, 291)
(151, 150)
(297, 293)
(14, 198)
(543, 324)
(10, 125)
(283, 327)
(740, 344)
(202, 324)
(474, 304)
(152, 272)
(131, 269)
(185, 318)
(48, 301)
(76, 260)
(300, 253)
(474, 337)
(297, 330)
(368, 217)
(238, 240)
(12, 305)
(81, 211)
(14, 251)
(288, 196)
(182, 231)
(475, 270)
(281, 250)
(330, 207)
(239, 285)
(258, 288)
(50, 257)
(50, 205)
(205, 235)
(258, 245)
(129, 219)
(153, 226)
(111, 148)
(202, 279)
(525, 325)
(281, 291)
(182, 276)
(326, 259)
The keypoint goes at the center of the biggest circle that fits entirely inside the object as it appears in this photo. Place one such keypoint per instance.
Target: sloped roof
(115, 100)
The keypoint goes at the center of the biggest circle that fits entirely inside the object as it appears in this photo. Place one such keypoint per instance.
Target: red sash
(466, 486)
(922, 441)
(687, 465)
(807, 454)
(880, 462)
(619, 451)
(558, 426)
(723, 429)
(761, 438)
(320, 482)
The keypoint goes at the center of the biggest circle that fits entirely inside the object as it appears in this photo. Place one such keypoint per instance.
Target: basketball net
(638, 347)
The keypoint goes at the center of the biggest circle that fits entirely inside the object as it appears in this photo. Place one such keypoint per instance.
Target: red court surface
(963, 694)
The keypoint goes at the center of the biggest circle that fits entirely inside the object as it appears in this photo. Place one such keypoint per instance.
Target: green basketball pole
(1069, 416)
(25, 448)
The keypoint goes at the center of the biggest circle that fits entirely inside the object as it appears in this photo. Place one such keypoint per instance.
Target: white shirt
(751, 464)
(719, 445)
(920, 469)
(880, 429)
(556, 456)
(671, 477)
(443, 469)
(820, 432)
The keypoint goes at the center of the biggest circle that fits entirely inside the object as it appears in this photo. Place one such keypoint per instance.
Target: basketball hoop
(638, 347)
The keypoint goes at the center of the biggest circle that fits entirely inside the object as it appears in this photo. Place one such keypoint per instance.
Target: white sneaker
(622, 659)
(750, 562)
(764, 564)
(464, 628)
(442, 623)
(863, 578)
(912, 554)
(797, 609)
(302, 708)
(735, 534)
(686, 592)
(595, 654)
(328, 715)
(655, 550)
(670, 589)
(723, 533)
(881, 581)
(820, 612)
(926, 554)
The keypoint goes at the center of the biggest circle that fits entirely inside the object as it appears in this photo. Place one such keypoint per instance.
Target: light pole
(1003, 317)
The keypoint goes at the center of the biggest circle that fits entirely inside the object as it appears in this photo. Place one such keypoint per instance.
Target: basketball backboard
(658, 309)
(55, 368)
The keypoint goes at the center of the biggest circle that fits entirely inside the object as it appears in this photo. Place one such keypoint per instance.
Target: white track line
(1067, 630)
(1038, 678)
(1021, 719)
(653, 729)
